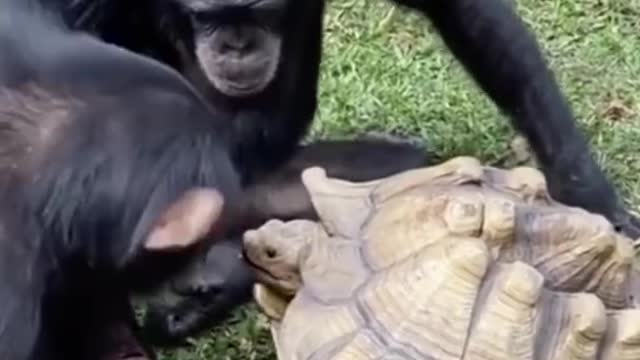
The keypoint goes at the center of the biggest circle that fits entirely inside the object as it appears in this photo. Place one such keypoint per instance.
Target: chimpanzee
(114, 174)
(258, 60)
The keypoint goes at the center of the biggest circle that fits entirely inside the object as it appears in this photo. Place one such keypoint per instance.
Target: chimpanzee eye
(269, 18)
(201, 17)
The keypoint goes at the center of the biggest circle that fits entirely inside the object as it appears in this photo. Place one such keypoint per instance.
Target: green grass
(384, 70)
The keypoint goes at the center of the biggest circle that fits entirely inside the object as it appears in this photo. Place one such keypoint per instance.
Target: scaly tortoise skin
(454, 261)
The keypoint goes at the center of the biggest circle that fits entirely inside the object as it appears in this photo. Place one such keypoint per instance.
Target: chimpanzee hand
(623, 221)
(627, 223)
(112, 329)
(582, 184)
(120, 343)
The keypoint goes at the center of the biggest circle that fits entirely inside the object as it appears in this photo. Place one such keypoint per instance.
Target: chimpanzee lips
(238, 73)
(241, 77)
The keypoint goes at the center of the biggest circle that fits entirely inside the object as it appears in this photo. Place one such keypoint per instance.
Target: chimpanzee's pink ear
(186, 221)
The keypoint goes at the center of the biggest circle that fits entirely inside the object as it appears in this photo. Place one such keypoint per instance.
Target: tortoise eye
(271, 252)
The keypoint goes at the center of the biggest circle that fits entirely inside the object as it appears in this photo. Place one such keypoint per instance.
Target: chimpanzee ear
(186, 221)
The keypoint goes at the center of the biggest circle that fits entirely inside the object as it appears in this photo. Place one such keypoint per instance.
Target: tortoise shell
(453, 261)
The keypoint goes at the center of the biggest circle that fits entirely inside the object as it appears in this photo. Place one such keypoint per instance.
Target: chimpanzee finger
(632, 230)
(629, 225)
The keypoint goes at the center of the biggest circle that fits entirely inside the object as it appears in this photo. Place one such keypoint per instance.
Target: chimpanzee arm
(282, 195)
(494, 45)
(363, 159)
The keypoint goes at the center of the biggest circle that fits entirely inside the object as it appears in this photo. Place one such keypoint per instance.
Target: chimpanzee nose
(165, 327)
(238, 38)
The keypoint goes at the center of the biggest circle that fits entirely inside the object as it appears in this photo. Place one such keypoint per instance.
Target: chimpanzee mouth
(170, 329)
(241, 72)
(241, 78)
(240, 88)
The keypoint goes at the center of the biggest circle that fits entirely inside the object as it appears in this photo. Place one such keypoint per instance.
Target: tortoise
(452, 261)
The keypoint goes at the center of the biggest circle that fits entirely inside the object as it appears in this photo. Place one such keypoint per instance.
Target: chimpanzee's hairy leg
(502, 55)
(283, 196)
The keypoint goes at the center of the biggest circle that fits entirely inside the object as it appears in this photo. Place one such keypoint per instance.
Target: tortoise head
(277, 250)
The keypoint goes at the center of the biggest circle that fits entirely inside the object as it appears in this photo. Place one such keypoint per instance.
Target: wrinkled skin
(239, 61)
(277, 259)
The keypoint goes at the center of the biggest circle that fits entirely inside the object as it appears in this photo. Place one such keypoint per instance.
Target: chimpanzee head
(237, 43)
(202, 295)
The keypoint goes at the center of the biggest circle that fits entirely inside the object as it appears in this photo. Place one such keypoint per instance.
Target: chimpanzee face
(200, 296)
(237, 42)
